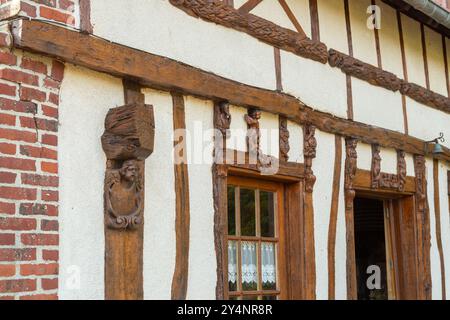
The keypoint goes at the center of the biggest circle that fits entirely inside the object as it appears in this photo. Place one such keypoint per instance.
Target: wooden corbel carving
(350, 171)
(401, 170)
(376, 166)
(127, 141)
(309, 153)
(284, 140)
(253, 133)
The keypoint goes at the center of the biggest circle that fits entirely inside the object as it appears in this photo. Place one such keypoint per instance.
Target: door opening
(372, 250)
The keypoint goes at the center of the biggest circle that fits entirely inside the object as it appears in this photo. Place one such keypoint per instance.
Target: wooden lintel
(363, 182)
(166, 74)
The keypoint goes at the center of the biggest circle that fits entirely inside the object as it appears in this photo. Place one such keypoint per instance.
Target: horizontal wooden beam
(363, 182)
(167, 74)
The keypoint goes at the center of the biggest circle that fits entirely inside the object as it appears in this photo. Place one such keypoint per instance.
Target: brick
(30, 94)
(4, 298)
(50, 255)
(39, 180)
(17, 224)
(48, 195)
(21, 285)
(53, 98)
(8, 58)
(7, 89)
(49, 225)
(67, 5)
(40, 297)
(7, 270)
(49, 139)
(36, 152)
(51, 84)
(40, 239)
(7, 239)
(41, 124)
(7, 177)
(38, 209)
(57, 70)
(18, 106)
(50, 3)
(52, 14)
(19, 76)
(17, 254)
(34, 65)
(50, 111)
(14, 193)
(38, 269)
(49, 284)
(7, 148)
(18, 135)
(7, 119)
(28, 9)
(49, 167)
(5, 39)
(18, 164)
(7, 208)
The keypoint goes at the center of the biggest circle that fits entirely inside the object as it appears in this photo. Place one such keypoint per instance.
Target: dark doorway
(370, 247)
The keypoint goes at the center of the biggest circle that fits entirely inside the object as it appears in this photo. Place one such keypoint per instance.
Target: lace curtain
(249, 262)
(232, 262)
(269, 275)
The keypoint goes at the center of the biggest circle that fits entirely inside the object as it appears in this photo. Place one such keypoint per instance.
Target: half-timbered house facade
(235, 149)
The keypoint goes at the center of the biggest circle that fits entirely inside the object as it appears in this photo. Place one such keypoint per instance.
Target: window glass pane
(250, 298)
(249, 266)
(269, 274)
(231, 211)
(248, 215)
(269, 298)
(267, 206)
(232, 266)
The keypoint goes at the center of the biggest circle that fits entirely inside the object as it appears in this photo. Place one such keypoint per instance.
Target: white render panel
(300, 8)
(202, 253)
(159, 227)
(377, 106)
(436, 62)
(274, 12)
(86, 97)
(318, 85)
(333, 29)
(238, 129)
(270, 134)
(388, 160)
(158, 27)
(445, 219)
(323, 166)
(295, 142)
(364, 152)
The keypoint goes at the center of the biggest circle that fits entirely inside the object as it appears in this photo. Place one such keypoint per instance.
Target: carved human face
(129, 171)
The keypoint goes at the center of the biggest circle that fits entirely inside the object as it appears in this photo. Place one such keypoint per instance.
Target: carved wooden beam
(284, 139)
(350, 174)
(423, 229)
(376, 167)
(127, 141)
(218, 12)
(401, 170)
(166, 74)
(309, 153)
(425, 96)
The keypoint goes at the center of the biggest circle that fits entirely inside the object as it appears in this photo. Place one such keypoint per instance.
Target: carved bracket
(127, 141)
(350, 171)
(309, 153)
(376, 167)
(284, 140)
(386, 180)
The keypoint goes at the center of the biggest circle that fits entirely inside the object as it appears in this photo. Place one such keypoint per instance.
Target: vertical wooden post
(182, 220)
(124, 242)
(437, 214)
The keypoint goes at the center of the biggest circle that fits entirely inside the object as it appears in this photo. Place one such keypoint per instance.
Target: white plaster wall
(86, 97)
(295, 142)
(377, 106)
(238, 129)
(435, 267)
(364, 152)
(341, 239)
(238, 3)
(159, 227)
(324, 164)
(270, 134)
(333, 30)
(274, 12)
(426, 123)
(301, 10)
(158, 27)
(363, 38)
(202, 254)
(409, 159)
(436, 62)
(413, 50)
(445, 219)
(315, 84)
(388, 160)
(391, 54)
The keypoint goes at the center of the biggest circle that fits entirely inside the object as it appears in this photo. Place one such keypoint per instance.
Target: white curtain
(232, 262)
(268, 263)
(249, 263)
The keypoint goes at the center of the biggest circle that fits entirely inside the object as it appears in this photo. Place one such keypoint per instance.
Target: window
(253, 239)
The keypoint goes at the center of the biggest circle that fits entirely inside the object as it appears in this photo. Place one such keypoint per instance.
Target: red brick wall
(61, 11)
(29, 239)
